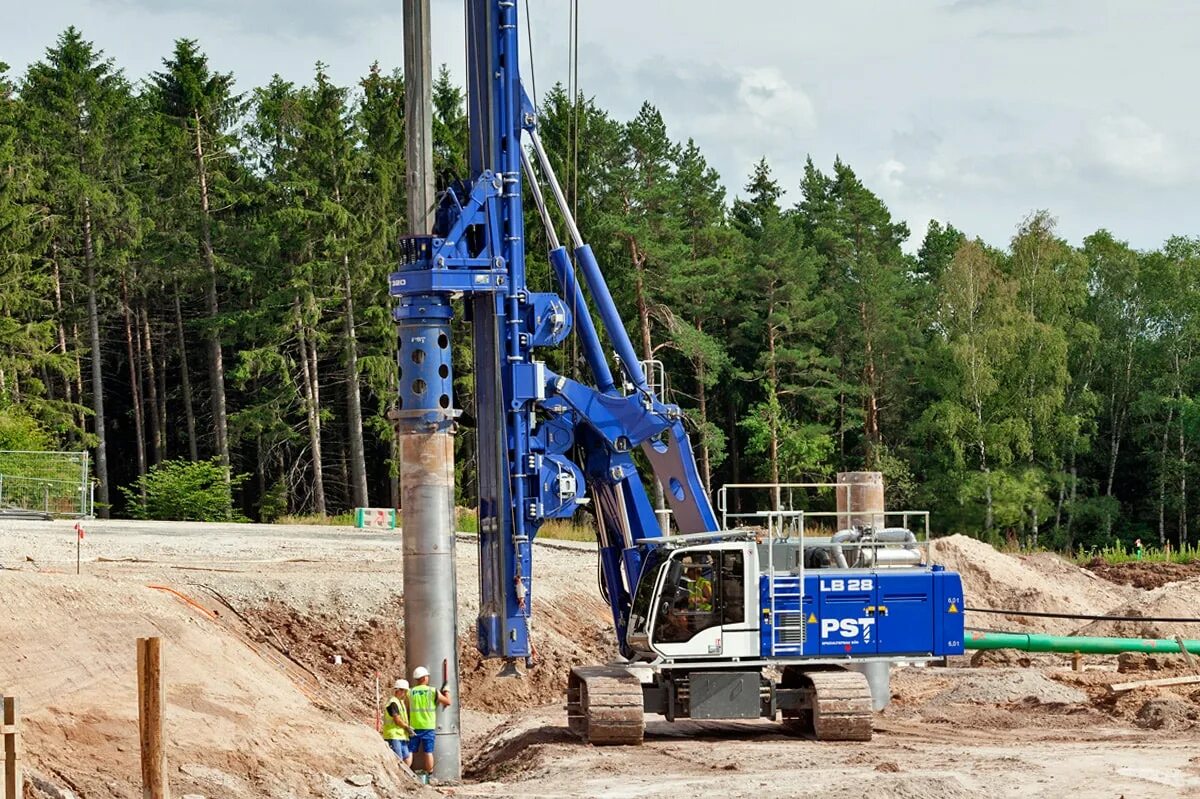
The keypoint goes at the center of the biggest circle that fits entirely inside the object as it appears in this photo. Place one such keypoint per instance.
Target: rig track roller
(604, 706)
(838, 706)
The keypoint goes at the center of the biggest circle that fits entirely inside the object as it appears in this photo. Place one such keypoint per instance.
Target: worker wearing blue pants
(396, 729)
(423, 700)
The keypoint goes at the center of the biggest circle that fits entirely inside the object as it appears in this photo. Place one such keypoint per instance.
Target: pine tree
(789, 321)
(81, 107)
(202, 106)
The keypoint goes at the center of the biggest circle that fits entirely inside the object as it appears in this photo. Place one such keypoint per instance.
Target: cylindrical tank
(860, 500)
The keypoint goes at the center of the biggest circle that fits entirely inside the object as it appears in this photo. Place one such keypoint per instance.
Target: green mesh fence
(57, 483)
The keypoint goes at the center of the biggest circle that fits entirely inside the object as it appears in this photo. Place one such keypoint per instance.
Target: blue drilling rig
(709, 623)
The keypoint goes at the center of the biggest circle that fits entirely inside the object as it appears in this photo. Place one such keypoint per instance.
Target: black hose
(1047, 615)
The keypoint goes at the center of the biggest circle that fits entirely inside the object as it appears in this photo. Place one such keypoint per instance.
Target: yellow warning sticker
(953, 608)
(812, 618)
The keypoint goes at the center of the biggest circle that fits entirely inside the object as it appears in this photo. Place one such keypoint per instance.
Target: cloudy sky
(969, 111)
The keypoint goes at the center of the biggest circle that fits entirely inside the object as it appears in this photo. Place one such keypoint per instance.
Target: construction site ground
(273, 636)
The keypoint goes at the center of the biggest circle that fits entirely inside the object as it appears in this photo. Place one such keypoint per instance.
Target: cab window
(702, 590)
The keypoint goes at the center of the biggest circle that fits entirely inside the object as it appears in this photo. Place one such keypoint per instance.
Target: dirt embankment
(237, 725)
(1042, 582)
(571, 630)
(1141, 574)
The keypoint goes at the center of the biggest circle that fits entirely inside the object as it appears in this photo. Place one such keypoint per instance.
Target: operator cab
(694, 603)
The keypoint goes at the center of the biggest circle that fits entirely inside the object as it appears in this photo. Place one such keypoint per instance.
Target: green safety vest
(422, 707)
(391, 730)
(696, 598)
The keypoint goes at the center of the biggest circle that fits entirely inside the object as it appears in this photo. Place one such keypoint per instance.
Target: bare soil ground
(258, 707)
(1142, 574)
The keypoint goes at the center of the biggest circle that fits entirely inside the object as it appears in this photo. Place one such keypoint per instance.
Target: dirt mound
(575, 629)
(1041, 582)
(71, 661)
(320, 641)
(572, 630)
(1174, 600)
(1140, 574)
(1004, 686)
(1167, 713)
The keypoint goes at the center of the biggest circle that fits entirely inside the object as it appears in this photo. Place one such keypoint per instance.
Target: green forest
(189, 271)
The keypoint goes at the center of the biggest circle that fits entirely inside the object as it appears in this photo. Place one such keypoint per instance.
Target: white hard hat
(401, 685)
(419, 672)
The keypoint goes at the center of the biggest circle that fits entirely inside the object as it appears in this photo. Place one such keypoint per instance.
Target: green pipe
(1036, 642)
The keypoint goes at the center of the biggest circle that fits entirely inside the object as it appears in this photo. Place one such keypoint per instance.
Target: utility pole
(426, 420)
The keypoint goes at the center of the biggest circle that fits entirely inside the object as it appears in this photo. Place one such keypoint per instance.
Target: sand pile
(1002, 686)
(1173, 600)
(71, 660)
(1041, 582)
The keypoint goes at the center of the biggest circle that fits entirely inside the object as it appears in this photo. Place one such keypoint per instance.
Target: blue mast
(530, 421)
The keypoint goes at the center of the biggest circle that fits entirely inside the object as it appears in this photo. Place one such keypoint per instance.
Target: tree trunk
(102, 494)
(643, 311)
(162, 398)
(1183, 469)
(871, 432)
(156, 420)
(1074, 493)
(358, 461)
(216, 365)
(1162, 479)
(185, 381)
(735, 460)
(773, 406)
(135, 388)
(702, 402)
(79, 371)
(312, 412)
(62, 332)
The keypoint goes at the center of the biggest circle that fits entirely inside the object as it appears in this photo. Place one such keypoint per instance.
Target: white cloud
(891, 174)
(774, 105)
(1131, 148)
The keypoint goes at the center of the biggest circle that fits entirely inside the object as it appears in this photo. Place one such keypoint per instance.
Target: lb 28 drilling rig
(710, 623)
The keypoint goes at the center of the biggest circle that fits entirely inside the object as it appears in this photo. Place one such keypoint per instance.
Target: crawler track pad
(604, 706)
(841, 709)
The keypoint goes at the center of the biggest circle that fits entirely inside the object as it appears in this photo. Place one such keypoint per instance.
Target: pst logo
(847, 628)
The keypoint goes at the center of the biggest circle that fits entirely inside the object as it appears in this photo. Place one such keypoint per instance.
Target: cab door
(701, 609)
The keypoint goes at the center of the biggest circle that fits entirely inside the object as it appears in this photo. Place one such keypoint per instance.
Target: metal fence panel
(57, 483)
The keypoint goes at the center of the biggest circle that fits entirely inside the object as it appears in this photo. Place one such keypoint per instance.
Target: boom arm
(531, 421)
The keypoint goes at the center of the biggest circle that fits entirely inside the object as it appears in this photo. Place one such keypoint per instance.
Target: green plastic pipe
(1036, 642)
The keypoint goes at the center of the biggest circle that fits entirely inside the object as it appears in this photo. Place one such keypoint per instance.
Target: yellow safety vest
(422, 707)
(391, 730)
(696, 598)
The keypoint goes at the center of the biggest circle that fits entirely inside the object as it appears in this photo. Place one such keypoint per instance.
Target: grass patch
(556, 529)
(567, 531)
(1117, 553)
(340, 520)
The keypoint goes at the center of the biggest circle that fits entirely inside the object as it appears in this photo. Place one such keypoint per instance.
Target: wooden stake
(1187, 656)
(1077, 662)
(1159, 683)
(150, 719)
(14, 783)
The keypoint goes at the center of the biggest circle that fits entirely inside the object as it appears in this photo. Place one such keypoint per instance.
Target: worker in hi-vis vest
(423, 700)
(396, 729)
(700, 591)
